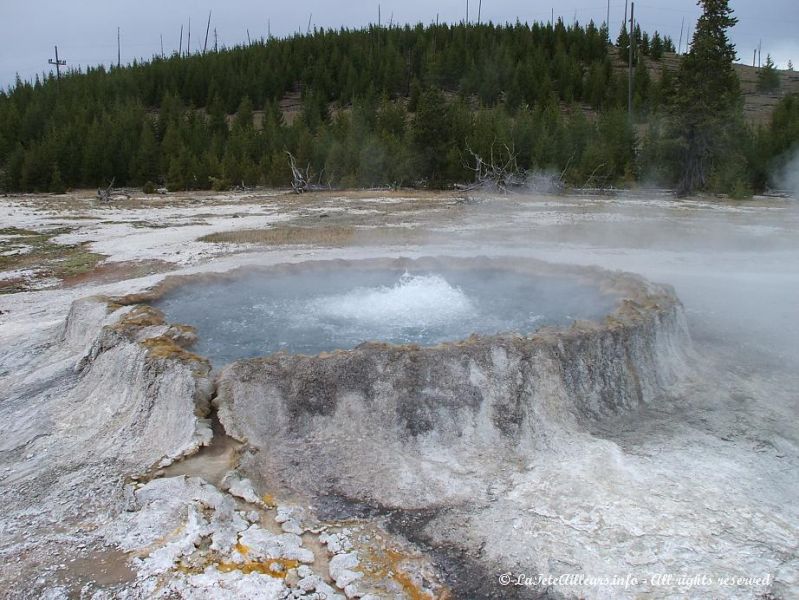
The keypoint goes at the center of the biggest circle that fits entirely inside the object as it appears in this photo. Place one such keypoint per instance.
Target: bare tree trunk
(299, 180)
(694, 176)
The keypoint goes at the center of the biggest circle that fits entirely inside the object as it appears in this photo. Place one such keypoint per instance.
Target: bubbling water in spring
(308, 312)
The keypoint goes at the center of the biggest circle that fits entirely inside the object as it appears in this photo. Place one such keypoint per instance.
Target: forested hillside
(379, 106)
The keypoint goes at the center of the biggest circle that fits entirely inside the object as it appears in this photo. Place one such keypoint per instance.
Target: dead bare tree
(494, 172)
(105, 194)
(108, 194)
(301, 181)
(501, 171)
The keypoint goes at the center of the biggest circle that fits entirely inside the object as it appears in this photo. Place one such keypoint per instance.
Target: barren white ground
(673, 500)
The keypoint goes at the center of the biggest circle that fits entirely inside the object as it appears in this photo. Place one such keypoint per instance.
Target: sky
(86, 31)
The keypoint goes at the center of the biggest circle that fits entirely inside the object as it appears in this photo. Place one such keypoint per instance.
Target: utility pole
(119, 51)
(207, 29)
(188, 42)
(180, 45)
(216, 42)
(679, 46)
(607, 20)
(467, 12)
(479, 10)
(630, 65)
(268, 29)
(625, 13)
(162, 46)
(58, 64)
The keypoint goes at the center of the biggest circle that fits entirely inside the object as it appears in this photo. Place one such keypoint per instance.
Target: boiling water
(308, 312)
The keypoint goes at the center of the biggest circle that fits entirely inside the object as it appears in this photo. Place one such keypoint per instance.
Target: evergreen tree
(768, 79)
(656, 47)
(431, 136)
(57, 185)
(623, 44)
(707, 104)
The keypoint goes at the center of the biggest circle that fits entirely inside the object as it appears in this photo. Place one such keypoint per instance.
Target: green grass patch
(38, 253)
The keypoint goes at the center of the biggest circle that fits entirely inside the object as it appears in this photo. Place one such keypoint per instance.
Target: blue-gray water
(317, 310)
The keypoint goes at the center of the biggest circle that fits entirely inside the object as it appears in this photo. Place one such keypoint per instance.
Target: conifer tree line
(380, 106)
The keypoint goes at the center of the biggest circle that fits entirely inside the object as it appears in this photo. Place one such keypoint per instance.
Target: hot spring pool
(338, 306)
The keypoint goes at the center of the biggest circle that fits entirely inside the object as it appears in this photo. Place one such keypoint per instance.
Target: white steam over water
(414, 301)
(788, 178)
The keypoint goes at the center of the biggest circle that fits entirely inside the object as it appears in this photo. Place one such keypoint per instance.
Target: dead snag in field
(495, 172)
(108, 194)
(299, 179)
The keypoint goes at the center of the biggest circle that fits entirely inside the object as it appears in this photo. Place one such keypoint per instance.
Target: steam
(787, 177)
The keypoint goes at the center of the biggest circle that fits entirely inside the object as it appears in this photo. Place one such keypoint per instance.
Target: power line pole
(679, 46)
(607, 20)
(479, 10)
(162, 46)
(207, 29)
(119, 50)
(467, 12)
(58, 64)
(625, 13)
(180, 45)
(216, 41)
(630, 65)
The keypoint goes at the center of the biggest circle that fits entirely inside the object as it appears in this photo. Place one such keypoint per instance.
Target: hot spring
(395, 382)
(323, 307)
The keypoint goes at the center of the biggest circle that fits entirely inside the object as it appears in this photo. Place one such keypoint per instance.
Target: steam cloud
(788, 177)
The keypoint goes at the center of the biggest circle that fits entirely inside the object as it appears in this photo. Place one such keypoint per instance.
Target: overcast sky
(86, 31)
